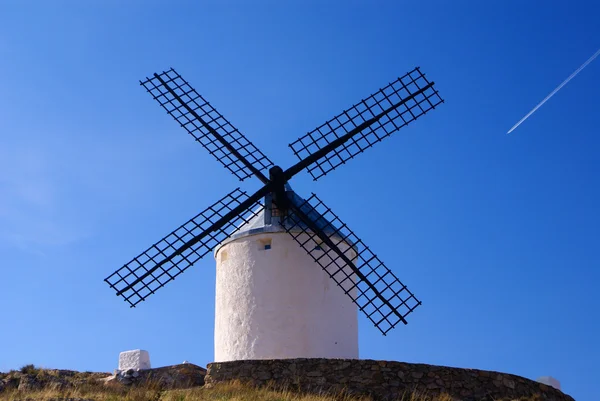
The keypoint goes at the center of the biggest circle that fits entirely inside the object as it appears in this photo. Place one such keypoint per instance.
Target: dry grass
(224, 392)
(84, 386)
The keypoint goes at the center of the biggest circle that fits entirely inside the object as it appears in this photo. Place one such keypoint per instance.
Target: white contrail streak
(577, 71)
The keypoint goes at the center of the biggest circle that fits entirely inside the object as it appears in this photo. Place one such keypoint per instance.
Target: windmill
(290, 274)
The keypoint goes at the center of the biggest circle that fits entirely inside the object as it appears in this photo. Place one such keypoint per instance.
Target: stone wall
(380, 379)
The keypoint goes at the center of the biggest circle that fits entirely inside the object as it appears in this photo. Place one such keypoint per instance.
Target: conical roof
(262, 222)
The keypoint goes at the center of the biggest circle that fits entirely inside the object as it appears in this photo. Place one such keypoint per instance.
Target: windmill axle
(278, 181)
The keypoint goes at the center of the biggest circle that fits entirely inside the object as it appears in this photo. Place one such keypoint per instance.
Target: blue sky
(497, 234)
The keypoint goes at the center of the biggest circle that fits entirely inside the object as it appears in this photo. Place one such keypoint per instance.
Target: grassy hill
(35, 384)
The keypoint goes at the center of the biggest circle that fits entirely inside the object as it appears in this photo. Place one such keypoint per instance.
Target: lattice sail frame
(366, 109)
(158, 86)
(150, 258)
(370, 284)
(384, 315)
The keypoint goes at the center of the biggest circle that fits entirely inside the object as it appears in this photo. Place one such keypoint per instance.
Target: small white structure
(274, 302)
(550, 381)
(136, 359)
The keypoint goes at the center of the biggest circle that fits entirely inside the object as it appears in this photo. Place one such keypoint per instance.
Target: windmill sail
(377, 292)
(183, 247)
(208, 127)
(366, 123)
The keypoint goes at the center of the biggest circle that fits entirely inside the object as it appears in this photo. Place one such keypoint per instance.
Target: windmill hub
(288, 287)
(276, 175)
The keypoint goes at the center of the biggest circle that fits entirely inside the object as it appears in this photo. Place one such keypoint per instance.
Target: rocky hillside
(172, 383)
(32, 383)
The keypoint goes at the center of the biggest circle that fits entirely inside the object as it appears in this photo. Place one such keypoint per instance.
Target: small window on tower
(264, 244)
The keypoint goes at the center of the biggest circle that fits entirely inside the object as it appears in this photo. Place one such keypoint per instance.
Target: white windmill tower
(274, 302)
(290, 274)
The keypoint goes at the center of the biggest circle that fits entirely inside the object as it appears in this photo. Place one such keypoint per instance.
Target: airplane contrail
(577, 71)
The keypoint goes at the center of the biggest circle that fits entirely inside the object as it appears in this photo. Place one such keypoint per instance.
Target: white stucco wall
(137, 359)
(278, 303)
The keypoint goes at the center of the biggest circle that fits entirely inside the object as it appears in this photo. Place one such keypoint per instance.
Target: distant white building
(550, 381)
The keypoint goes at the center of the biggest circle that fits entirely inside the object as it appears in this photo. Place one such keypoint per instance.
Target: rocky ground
(30, 380)
(171, 383)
